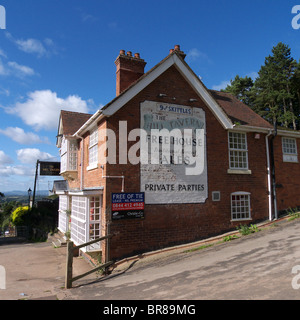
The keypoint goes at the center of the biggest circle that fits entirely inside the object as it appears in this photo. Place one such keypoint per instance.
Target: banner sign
(49, 168)
(128, 205)
(174, 167)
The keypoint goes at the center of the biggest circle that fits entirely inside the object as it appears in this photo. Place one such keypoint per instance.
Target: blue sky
(59, 54)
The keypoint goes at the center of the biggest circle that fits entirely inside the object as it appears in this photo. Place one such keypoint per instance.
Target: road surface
(257, 266)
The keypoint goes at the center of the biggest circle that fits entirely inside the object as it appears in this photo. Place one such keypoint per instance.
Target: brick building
(218, 174)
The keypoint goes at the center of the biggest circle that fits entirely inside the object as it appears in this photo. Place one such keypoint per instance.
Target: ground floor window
(62, 217)
(78, 219)
(240, 206)
(85, 218)
(95, 211)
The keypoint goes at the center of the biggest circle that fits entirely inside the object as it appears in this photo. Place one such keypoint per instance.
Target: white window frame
(94, 225)
(239, 152)
(93, 149)
(73, 155)
(62, 213)
(289, 149)
(68, 154)
(240, 208)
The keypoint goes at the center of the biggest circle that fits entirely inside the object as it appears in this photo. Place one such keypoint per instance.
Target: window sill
(92, 166)
(292, 158)
(239, 171)
(245, 219)
(69, 174)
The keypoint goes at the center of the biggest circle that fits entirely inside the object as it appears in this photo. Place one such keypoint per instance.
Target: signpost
(46, 169)
(128, 205)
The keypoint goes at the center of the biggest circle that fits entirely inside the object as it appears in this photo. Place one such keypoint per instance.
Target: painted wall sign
(127, 205)
(49, 168)
(176, 170)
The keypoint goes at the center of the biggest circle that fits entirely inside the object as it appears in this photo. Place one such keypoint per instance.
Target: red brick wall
(166, 225)
(287, 178)
(129, 69)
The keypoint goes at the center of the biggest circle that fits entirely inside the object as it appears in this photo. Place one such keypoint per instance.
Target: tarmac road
(258, 266)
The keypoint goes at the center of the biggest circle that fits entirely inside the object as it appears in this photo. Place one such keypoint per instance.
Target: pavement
(36, 271)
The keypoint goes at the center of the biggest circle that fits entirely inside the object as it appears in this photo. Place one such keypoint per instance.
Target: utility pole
(36, 173)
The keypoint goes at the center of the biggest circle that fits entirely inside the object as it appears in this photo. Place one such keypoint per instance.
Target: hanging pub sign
(49, 168)
(127, 205)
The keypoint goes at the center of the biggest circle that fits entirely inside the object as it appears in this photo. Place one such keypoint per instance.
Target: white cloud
(2, 53)
(34, 46)
(22, 137)
(20, 70)
(221, 86)
(195, 54)
(3, 69)
(31, 46)
(88, 17)
(7, 171)
(42, 108)
(4, 159)
(4, 91)
(31, 155)
(15, 69)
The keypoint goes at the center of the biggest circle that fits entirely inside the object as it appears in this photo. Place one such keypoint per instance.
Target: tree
(241, 89)
(275, 93)
(2, 195)
(296, 91)
(273, 96)
(6, 209)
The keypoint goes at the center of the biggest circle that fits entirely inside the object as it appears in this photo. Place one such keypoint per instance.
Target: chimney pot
(178, 51)
(137, 55)
(129, 53)
(122, 52)
(171, 51)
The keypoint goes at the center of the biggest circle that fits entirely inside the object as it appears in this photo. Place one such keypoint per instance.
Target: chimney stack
(177, 49)
(129, 69)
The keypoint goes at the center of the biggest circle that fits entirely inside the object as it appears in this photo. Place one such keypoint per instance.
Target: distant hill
(25, 193)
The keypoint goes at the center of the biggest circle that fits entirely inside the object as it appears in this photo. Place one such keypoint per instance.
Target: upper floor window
(289, 150)
(93, 149)
(68, 153)
(238, 152)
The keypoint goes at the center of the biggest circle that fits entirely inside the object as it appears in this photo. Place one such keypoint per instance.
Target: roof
(172, 59)
(69, 123)
(238, 112)
(226, 108)
(72, 121)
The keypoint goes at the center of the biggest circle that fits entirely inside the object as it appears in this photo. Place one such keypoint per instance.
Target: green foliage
(241, 89)
(273, 87)
(245, 230)
(5, 213)
(293, 214)
(18, 215)
(275, 93)
(229, 238)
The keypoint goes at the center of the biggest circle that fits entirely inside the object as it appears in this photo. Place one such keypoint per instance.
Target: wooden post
(34, 189)
(69, 265)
